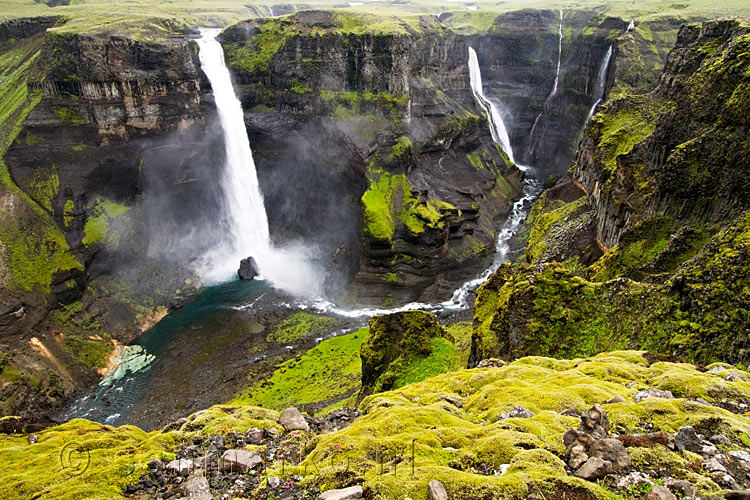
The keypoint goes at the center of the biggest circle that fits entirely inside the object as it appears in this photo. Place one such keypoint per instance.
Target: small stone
(292, 420)
(687, 439)
(615, 400)
(740, 455)
(455, 401)
(33, 438)
(680, 487)
(653, 393)
(734, 376)
(238, 460)
(595, 422)
(196, 488)
(719, 439)
(517, 412)
(613, 451)
(713, 465)
(342, 494)
(273, 482)
(634, 480)
(702, 401)
(156, 464)
(570, 412)
(737, 495)
(254, 436)
(436, 490)
(578, 457)
(182, 466)
(660, 493)
(594, 468)
(718, 369)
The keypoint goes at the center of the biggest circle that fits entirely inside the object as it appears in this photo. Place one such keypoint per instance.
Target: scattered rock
(615, 400)
(687, 439)
(517, 412)
(734, 376)
(436, 490)
(254, 436)
(33, 438)
(491, 363)
(182, 466)
(292, 420)
(718, 369)
(238, 460)
(156, 464)
(248, 269)
(611, 450)
(455, 401)
(737, 495)
(196, 488)
(719, 439)
(653, 393)
(660, 493)
(714, 465)
(342, 494)
(680, 487)
(634, 480)
(578, 457)
(594, 468)
(595, 423)
(570, 412)
(273, 482)
(740, 455)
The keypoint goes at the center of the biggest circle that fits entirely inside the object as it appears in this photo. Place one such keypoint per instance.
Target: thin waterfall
(535, 143)
(601, 83)
(244, 223)
(497, 126)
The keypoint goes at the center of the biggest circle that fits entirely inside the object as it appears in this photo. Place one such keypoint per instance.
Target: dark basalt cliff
(659, 185)
(110, 164)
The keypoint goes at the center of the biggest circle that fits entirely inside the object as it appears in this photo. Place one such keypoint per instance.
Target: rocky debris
(740, 454)
(491, 363)
(591, 453)
(737, 495)
(181, 466)
(342, 494)
(156, 464)
(248, 269)
(634, 480)
(570, 412)
(196, 488)
(292, 420)
(653, 393)
(239, 460)
(594, 468)
(615, 400)
(660, 493)
(516, 412)
(436, 490)
(333, 421)
(33, 438)
(734, 376)
(687, 439)
(680, 487)
(719, 439)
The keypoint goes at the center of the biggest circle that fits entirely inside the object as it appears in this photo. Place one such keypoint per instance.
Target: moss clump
(90, 351)
(254, 57)
(301, 326)
(327, 373)
(620, 131)
(403, 150)
(390, 199)
(68, 114)
(99, 219)
(545, 216)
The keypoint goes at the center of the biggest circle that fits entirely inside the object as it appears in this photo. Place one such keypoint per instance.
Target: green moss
(101, 214)
(475, 160)
(44, 187)
(403, 150)
(301, 326)
(545, 216)
(254, 57)
(620, 131)
(327, 373)
(92, 352)
(68, 114)
(68, 213)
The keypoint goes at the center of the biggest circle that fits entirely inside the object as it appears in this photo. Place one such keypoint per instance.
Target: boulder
(594, 468)
(615, 400)
(156, 464)
(613, 451)
(196, 488)
(737, 495)
(436, 490)
(653, 393)
(595, 423)
(687, 439)
(660, 493)
(680, 487)
(248, 269)
(238, 460)
(254, 436)
(183, 466)
(292, 420)
(342, 494)
(578, 457)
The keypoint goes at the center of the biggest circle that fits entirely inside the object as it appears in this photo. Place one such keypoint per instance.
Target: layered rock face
(663, 193)
(111, 164)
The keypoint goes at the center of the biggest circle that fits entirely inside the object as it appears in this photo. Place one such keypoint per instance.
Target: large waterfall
(497, 126)
(601, 83)
(244, 224)
(532, 137)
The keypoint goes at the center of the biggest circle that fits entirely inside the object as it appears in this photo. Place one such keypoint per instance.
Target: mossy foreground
(450, 427)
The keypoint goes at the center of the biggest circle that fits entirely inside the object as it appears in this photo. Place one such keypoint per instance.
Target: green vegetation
(255, 55)
(545, 216)
(101, 215)
(620, 131)
(68, 114)
(92, 352)
(302, 326)
(391, 198)
(327, 373)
